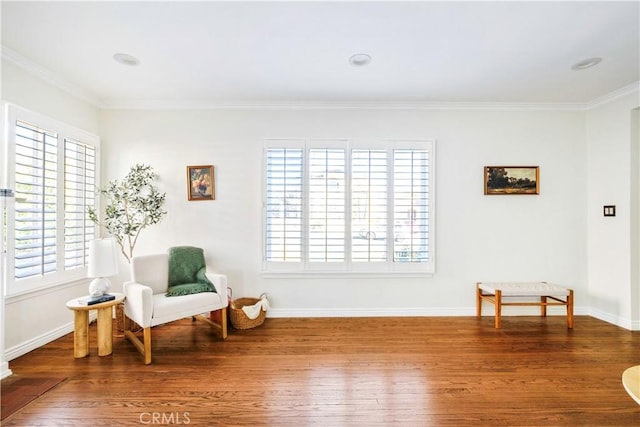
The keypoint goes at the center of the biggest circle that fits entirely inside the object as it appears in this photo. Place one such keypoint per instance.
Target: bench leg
(570, 309)
(498, 308)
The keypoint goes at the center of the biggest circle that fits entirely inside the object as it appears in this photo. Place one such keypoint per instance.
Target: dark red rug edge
(18, 393)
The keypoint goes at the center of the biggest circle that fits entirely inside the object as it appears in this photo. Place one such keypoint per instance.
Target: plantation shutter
(326, 204)
(284, 185)
(79, 194)
(411, 203)
(357, 207)
(35, 226)
(369, 217)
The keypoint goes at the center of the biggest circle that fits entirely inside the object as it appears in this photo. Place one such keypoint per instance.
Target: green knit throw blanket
(187, 271)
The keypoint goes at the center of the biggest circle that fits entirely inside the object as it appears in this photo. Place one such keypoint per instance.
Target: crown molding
(612, 96)
(113, 104)
(48, 76)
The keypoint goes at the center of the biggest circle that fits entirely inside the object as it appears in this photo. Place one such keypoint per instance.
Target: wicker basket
(239, 319)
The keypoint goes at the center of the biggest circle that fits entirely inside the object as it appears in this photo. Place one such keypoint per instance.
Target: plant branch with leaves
(133, 204)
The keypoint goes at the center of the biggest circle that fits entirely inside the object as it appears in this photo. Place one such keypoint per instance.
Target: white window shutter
(326, 205)
(284, 204)
(369, 205)
(35, 226)
(79, 194)
(53, 170)
(339, 206)
(411, 205)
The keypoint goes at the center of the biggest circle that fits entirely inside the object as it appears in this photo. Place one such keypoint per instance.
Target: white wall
(479, 238)
(32, 93)
(612, 179)
(35, 319)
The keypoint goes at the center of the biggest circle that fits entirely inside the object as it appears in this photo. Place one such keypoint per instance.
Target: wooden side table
(631, 382)
(81, 325)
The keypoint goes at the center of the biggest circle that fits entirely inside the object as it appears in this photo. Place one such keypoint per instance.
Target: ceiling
(209, 53)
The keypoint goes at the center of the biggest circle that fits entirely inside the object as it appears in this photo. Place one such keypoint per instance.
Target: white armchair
(147, 305)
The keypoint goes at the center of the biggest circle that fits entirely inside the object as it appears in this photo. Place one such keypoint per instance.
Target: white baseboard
(34, 343)
(37, 342)
(410, 312)
(5, 371)
(632, 325)
(367, 312)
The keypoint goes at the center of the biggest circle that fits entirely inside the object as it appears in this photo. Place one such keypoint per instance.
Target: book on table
(96, 300)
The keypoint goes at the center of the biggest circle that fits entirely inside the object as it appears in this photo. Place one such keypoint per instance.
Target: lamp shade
(103, 258)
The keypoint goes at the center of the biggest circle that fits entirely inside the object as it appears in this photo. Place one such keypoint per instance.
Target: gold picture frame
(200, 183)
(507, 180)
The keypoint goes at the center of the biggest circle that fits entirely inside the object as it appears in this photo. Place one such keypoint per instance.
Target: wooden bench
(549, 295)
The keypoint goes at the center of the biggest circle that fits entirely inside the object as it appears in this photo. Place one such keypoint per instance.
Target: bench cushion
(524, 289)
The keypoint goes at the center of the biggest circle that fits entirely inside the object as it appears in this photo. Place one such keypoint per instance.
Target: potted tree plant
(133, 204)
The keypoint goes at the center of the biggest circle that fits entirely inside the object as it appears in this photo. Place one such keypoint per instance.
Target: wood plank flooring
(454, 371)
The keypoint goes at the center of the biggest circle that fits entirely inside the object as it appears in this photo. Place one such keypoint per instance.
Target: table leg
(543, 306)
(80, 333)
(478, 300)
(498, 308)
(105, 331)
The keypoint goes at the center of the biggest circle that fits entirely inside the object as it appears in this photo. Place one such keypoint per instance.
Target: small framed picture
(511, 180)
(200, 183)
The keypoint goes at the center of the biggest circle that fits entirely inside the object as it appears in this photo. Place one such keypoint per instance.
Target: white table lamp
(103, 262)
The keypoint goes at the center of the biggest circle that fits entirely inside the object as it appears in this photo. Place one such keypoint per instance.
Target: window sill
(44, 290)
(343, 275)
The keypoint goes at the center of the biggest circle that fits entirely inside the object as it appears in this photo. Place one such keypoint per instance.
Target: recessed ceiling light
(586, 63)
(359, 59)
(126, 59)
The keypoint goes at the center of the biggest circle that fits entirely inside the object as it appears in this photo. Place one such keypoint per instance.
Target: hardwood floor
(454, 371)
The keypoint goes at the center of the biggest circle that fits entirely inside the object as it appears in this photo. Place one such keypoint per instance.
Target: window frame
(348, 268)
(61, 276)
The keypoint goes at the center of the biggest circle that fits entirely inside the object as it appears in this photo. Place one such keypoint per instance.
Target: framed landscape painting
(200, 184)
(511, 180)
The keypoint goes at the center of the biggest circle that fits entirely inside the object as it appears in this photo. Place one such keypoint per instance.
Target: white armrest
(138, 305)
(220, 282)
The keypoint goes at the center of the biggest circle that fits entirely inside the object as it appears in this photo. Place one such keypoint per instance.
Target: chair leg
(147, 345)
(143, 348)
(218, 320)
(223, 323)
